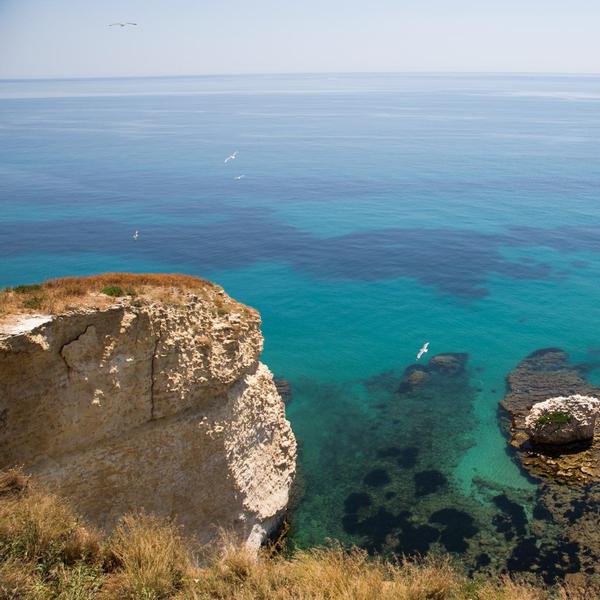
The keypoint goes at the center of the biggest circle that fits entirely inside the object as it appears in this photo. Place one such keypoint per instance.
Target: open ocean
(376, 212)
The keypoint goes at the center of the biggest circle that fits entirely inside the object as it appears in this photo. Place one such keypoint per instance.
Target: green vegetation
(113, 290)
(26, 289)
(116, 291)
(46, 552)
(34, 303)
(554, 418)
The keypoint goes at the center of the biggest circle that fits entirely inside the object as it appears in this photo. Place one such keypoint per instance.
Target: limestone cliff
(154, 400)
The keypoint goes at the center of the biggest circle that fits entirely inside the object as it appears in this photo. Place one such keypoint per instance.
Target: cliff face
(147, 404)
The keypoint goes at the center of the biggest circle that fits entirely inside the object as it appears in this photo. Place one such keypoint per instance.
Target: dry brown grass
(59, 295)
(330, 573)
(151, 558)
(12, 481)
(46, 552)
(41, 528)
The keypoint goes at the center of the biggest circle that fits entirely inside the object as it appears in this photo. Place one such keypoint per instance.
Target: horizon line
(305, 73)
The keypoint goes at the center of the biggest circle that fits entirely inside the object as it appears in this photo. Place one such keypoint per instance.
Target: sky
(71, 38)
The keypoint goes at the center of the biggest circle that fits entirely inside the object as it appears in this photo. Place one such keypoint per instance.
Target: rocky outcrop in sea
(543, 375)
(563, 420)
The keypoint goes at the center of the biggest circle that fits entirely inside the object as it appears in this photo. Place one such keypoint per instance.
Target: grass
(47, 552)
(33, 303)
(554, 418)
(57, 296)
(26, 289)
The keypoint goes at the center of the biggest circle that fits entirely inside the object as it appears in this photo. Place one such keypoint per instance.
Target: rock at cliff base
(284, 389)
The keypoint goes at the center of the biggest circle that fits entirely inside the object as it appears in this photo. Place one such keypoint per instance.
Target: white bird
(422, 351)
(122, 24)
(231, 157)
(239, 177)
(136, 235)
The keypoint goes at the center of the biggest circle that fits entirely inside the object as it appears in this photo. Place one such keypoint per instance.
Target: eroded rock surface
(144, 404)
(563, 420)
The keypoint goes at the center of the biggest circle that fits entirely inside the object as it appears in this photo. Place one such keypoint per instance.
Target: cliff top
(24, 306)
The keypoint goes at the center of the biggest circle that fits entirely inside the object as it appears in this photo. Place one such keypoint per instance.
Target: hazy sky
(65, 38)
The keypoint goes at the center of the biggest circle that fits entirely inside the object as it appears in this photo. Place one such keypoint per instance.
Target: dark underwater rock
(551, 561)
(449, 363)
(284, 389)
(355, 501)
(416, 540)
(515, 513)
(458, 527)
(377, 478)
(429, 482)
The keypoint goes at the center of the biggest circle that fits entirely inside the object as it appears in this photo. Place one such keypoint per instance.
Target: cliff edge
(129, 392)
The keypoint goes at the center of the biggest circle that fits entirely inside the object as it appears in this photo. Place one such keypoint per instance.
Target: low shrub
(26, 289)
(554, 418)
(34, 303)
(113, 291)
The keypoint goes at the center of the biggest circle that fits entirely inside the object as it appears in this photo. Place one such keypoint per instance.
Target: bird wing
(113, 24)
(131, 24)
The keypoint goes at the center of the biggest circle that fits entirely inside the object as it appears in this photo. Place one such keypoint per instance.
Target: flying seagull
(122, 24)
(422, 351)
(239, 177)
(136, 235)
(231, 157)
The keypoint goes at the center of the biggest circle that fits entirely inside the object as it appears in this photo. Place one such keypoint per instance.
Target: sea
(363, 215)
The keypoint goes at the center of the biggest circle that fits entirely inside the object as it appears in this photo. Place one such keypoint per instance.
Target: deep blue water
(376, 212)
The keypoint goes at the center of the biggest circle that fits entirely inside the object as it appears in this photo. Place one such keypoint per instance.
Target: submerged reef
(391, 459)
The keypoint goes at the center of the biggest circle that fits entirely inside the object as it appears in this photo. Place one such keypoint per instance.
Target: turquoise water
(377, 212)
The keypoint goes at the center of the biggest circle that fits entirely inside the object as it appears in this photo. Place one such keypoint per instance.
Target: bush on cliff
(113, 290)
(46, 552)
